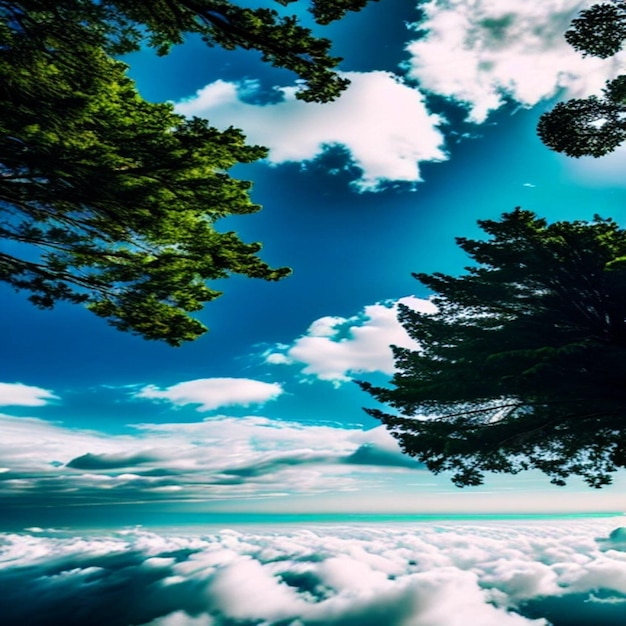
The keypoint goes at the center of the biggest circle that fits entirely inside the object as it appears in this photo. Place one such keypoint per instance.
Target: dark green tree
(587, 126)
(106, 199)
(600, 30)
(123, 26)
(524, 363)
(591, 126)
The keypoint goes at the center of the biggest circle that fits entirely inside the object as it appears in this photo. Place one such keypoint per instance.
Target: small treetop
(586, 126)
(591, 126)
(600, 30)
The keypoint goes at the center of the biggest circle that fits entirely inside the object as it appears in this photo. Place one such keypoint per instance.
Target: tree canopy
(107, 199)
(524, 363)
(591, 126)
(600, 30)
(122, 26)
(596, 125)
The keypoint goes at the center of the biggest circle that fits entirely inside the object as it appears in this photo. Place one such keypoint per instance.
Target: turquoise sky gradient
(107, 422)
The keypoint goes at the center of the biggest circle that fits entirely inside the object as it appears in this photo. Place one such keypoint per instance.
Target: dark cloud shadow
(92, 461)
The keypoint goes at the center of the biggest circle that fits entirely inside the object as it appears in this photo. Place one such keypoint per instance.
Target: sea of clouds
(560, 572)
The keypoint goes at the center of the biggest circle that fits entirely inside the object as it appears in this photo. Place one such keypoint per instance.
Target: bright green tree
(111, 201)
(107, 199)
(524, 363)
(122, 26)
(591, 126)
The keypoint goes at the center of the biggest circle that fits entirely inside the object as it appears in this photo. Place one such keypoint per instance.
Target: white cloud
(334, 348)
(18, 394)
(180, 618)
(212, 393)
(418, 574)
(277, 358)
(249, 464)
(480, 52)
(267, 598)
(382, 122)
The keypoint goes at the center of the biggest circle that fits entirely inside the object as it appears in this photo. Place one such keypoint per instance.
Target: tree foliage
(591, 126)
(123, 26)
(600, 30)
(524, 364)
(587, 126)
(107, 199)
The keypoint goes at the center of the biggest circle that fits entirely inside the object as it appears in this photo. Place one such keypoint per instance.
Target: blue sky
(436, 131)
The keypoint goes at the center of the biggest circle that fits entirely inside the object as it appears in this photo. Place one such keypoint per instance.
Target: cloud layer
(498, 574)
(383, 123)
(480, 53)
(335, 348)
(215, 459)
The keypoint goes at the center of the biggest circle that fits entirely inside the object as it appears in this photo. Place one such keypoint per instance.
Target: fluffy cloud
(448, 574)
(481, 52)
(18, 394)
(334, 348)
(221, 457)
(55, 446)
(382, 122)
(212, 393)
